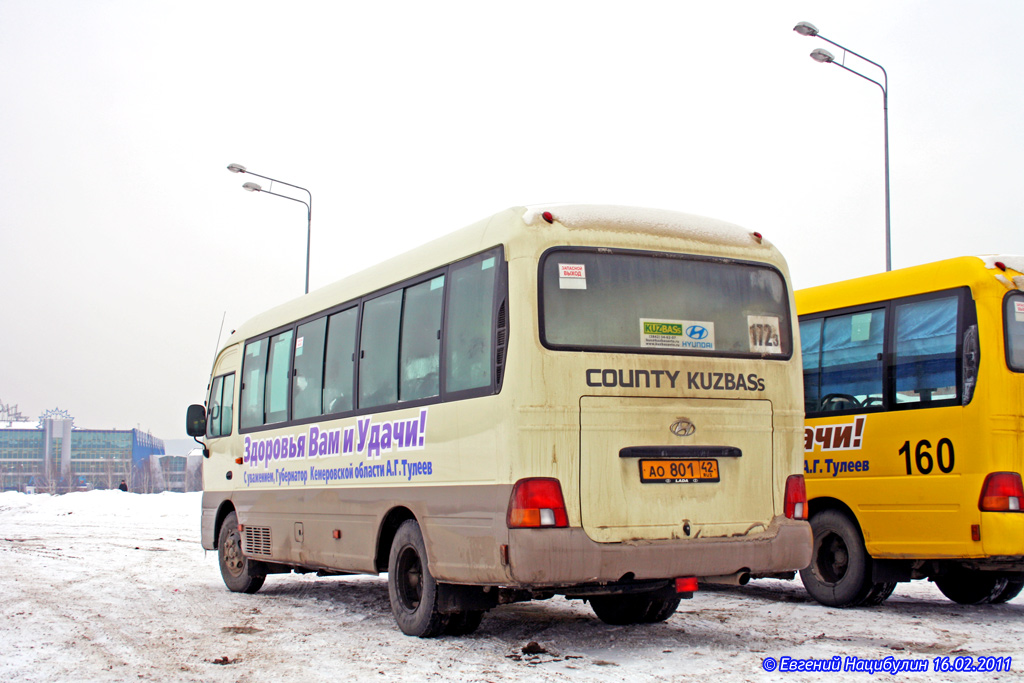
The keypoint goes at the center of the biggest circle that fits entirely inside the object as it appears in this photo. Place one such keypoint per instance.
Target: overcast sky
(126, 241)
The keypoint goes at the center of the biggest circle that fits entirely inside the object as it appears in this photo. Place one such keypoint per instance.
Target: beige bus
(598, 402)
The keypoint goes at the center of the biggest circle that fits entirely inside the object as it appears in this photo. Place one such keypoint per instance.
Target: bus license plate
(678, 471)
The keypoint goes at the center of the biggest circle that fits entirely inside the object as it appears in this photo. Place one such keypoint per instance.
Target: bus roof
(979, 272)
(526, 231)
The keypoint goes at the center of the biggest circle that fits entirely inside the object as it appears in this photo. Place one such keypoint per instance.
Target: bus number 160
(944, 457)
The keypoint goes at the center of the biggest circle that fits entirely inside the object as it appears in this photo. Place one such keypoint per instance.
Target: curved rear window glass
(657, 303)
(1014, 321)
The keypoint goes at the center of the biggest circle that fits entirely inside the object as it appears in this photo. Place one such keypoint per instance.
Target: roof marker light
(757, 236)
(548, 217)
(1001, 266)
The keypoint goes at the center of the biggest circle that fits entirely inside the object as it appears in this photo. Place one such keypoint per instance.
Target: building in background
(52, 455)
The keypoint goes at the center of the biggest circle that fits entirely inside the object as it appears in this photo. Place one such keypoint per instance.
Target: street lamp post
(254, 187)
(825, 57)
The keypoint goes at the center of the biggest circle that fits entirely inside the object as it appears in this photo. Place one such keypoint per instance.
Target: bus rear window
(1013, 313)
(662, 303)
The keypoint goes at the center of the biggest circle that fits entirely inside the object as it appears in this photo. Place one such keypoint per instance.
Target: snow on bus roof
(1012, 262)
(1008, 260)
(635, 219)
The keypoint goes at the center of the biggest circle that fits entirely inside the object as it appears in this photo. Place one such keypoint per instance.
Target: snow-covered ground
(105, 586)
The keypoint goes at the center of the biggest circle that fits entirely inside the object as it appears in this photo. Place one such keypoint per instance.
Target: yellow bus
(913, 444)
(596, 402)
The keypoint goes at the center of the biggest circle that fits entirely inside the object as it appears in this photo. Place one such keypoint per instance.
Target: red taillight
(1002, 492)
(536, 503)
(686, 584)
(796, 497)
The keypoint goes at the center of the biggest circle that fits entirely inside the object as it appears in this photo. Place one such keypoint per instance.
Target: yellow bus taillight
(796, 497)
(1002, 492)
(536, 503)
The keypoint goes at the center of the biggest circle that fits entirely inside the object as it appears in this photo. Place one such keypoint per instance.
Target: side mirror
(195, 421)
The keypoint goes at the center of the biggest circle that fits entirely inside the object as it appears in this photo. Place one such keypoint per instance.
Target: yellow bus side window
(925, 352)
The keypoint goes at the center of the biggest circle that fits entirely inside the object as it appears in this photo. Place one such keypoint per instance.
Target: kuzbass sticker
(677, 334)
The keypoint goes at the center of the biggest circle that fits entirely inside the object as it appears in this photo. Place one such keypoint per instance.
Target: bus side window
(227, 403)
(421, 340)
(278, 370)
(926, 350)
(851, 361)
(469, 324)
(254, 369)
(213, 414)
(307, 378)
(378, 350)
(810, 349)
(339, 362)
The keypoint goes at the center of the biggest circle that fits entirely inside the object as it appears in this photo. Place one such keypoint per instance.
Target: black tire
(1012, 590)
(840, 569)
(879, 593)
(463, 623)
(971, 587)
(660, 610)
(240, 574)
(619, 610)
(411, 587)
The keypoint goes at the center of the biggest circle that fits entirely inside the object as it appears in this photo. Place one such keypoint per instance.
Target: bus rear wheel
(972, 587)
(620, 610)
(840, 571)
(411, 587)
(463, 623)
(1014, 585)
(240, 574)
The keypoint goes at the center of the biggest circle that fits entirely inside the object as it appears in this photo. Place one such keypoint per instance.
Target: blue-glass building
(54, 456)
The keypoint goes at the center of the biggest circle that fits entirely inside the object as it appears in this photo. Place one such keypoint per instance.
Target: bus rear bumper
(553, 558)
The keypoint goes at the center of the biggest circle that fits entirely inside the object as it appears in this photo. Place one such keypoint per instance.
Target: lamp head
(252, 187)
(236, 168)
(806, 29)
(822, 56)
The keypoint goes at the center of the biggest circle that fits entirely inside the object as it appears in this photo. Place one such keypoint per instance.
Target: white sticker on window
(764, 334)
(1018, 308)
(860, 327)
(677, 334)
(572, 276)
(298, 346)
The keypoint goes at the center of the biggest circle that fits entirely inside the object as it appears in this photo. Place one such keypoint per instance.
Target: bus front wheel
(411, 587)
(240, 574)
(840, 571)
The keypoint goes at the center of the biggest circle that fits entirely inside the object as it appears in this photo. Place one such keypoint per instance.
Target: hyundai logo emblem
(696, 332)
(682, 427)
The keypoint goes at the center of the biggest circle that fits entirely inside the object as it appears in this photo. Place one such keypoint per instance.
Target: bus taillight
(796, 497)
(536, 503)
(1002, 492)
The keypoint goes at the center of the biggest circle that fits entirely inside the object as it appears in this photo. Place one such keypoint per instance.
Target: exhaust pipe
(740, 578)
